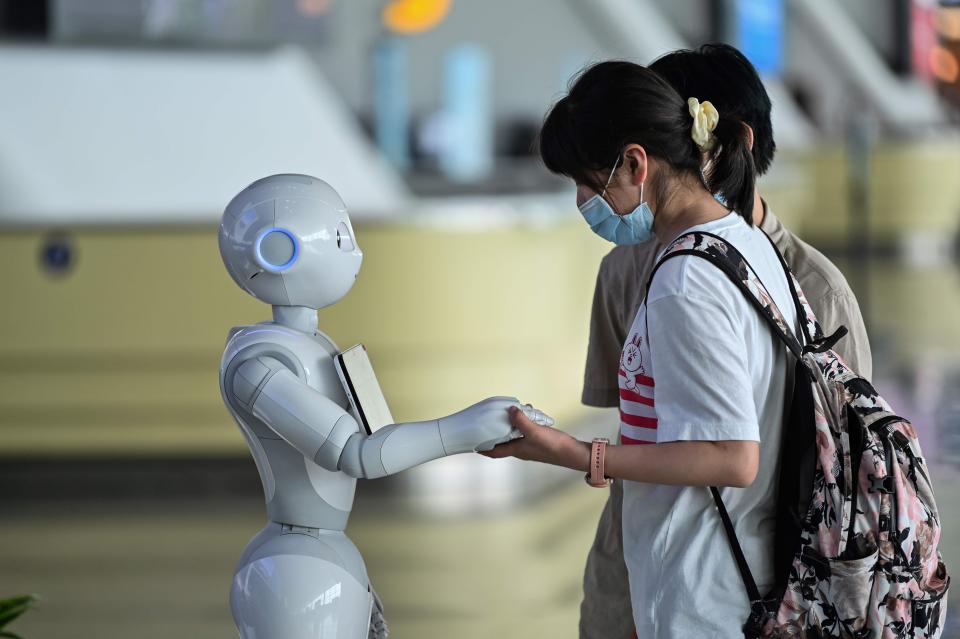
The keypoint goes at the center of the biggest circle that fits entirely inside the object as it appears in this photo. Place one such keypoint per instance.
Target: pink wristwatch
(598, 452)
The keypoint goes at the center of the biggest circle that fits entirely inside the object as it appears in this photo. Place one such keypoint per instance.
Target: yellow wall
(913, 187)
(121, 355)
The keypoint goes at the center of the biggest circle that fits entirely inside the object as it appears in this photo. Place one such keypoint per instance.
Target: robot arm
(322, 431)
(306, 419)
(401, 446)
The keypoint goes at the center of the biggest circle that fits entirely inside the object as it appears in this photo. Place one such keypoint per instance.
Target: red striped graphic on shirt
(638, 417)
(641, 379)
(637, 420)
(632, 396)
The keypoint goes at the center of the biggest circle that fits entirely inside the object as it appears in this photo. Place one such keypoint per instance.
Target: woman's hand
(723, 463)
(484, 425)
(542, 444)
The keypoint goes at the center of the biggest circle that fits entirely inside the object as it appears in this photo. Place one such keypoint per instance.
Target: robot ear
(276, 249)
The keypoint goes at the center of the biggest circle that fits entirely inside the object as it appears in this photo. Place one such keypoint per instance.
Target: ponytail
(732, 173)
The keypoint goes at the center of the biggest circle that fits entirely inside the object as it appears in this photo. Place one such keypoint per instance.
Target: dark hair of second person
(721, 74)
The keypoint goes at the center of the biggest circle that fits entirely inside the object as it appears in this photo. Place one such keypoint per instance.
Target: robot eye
(344, 239)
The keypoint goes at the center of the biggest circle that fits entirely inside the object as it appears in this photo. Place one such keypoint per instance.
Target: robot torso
(297, 491)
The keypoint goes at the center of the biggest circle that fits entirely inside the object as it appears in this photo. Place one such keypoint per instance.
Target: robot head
(287, 240)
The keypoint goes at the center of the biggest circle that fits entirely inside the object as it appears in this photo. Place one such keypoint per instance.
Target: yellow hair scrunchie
(705, 118)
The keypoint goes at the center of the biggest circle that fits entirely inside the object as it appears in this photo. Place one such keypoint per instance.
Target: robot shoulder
(270, 354)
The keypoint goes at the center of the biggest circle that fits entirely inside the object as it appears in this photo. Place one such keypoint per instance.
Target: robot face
(287, 240)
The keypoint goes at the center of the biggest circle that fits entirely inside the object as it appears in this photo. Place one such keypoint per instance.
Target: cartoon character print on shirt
(631, 360)
(638, 417)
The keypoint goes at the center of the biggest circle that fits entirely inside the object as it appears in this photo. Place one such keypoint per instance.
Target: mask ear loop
(610, 179)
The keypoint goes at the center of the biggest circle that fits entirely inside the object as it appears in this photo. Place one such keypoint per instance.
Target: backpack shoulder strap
(731, 262)
(812, 331)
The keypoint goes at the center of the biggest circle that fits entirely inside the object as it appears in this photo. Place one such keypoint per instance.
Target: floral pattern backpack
(857, 526)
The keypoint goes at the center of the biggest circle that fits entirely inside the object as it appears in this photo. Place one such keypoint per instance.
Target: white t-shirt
(710, 369)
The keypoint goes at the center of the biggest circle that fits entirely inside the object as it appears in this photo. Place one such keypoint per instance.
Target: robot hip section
(301, 583)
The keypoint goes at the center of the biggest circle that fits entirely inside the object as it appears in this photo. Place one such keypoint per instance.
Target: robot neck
(300, 318)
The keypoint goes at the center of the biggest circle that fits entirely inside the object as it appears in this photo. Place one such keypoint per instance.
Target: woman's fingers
(520, 421)
(530, 422)
(539, 442)
(510, 449)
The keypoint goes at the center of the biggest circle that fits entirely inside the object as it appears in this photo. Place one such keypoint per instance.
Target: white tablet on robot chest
(362, 388)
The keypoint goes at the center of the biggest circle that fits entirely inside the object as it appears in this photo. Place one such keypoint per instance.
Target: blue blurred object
(467, 154)
(391, 100)
(759, 33)
(57, 254)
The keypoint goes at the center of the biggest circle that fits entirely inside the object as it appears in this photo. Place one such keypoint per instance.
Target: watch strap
(596, 477)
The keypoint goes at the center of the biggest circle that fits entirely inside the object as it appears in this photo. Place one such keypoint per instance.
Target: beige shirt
(606, 612)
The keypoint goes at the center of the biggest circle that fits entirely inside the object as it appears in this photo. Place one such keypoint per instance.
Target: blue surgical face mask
(635, 227)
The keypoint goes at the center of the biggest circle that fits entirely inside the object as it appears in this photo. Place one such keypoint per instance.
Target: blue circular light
(266, 264)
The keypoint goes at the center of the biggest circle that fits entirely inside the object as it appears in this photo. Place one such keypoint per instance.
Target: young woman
(702, 378)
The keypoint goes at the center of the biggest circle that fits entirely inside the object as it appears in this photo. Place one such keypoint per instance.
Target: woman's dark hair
(723, 75)
(616, 103)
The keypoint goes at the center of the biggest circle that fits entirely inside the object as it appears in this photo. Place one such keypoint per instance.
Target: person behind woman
(702, 379)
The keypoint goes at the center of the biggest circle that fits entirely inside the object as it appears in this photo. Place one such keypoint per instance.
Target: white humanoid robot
(287, 240)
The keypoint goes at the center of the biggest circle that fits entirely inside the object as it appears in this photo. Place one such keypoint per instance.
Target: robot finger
(537, 416)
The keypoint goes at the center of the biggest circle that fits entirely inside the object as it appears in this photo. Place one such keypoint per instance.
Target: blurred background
(126, 491)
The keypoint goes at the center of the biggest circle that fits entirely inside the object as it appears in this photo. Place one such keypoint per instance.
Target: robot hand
(401, 446)
(485, 424)
(378, 624)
